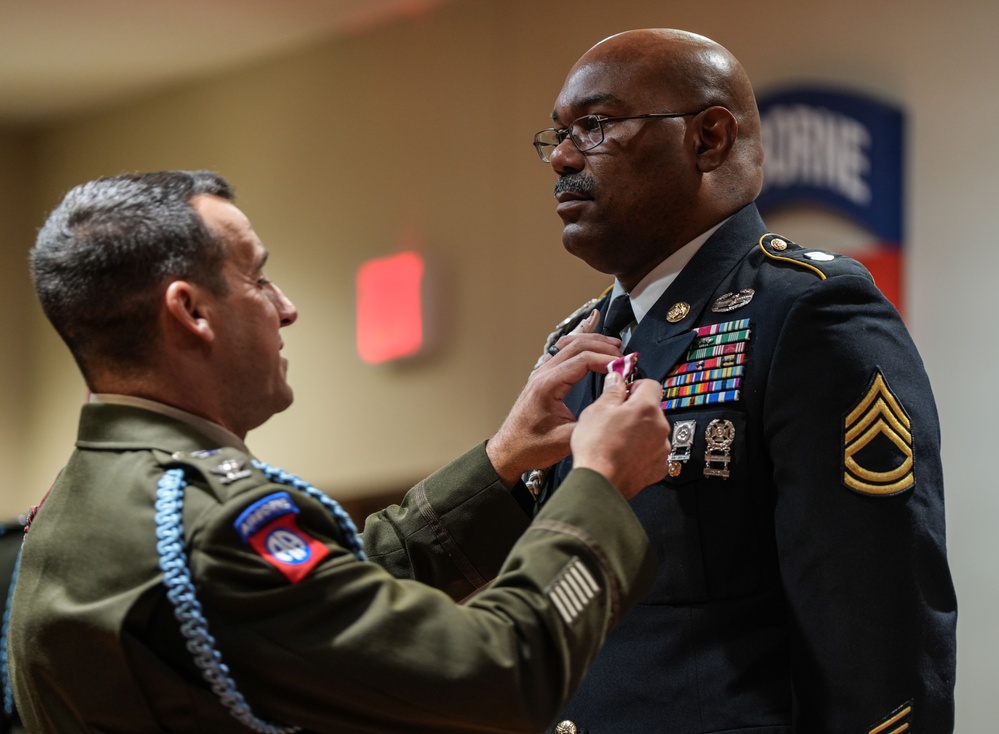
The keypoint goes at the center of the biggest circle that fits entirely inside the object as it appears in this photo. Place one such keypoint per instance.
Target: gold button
(778, 244)
(678, 312)
(674, 468)
(566, 727)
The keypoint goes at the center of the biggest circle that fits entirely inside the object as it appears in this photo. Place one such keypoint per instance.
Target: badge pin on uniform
(719, 434)
(204, 453)
(232, 470)
(200, 454)
(681, 443)
(732, 301)
(678, 312)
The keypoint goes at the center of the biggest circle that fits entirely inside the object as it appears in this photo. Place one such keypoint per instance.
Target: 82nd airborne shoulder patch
(270, 527)
(877, 443)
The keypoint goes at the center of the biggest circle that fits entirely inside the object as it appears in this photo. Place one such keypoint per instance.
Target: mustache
(575, 183)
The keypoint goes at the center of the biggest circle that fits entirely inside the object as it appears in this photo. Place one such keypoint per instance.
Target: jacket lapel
(661, 343)
(586, 390)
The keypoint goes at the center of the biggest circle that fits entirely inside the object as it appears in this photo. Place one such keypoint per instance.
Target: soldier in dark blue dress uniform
(804, 584)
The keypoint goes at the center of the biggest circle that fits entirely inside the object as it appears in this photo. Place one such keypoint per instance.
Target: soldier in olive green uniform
(170, 582)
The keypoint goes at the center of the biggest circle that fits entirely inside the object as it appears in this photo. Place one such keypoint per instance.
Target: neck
(177, 388)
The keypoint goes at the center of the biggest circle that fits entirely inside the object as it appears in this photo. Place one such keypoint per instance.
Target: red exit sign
(390, 317)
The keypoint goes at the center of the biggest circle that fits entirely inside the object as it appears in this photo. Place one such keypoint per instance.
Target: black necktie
(619, 315)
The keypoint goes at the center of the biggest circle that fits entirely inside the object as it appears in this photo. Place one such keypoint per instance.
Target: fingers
(587, 325)
(562, 372)
(624, 435)
(537, 430)
(646, 390)
(614, 384)
(599, 349)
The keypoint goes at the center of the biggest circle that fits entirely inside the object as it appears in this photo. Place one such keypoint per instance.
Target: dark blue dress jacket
(804, 584)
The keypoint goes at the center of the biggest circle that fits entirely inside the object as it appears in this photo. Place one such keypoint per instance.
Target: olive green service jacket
(340, 645)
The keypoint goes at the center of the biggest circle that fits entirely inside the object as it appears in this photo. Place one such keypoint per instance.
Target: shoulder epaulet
(571, 321)
(823, 263)
(229, 472)
(223, 469)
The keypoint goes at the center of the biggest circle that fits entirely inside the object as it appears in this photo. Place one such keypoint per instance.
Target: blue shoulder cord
(180, 587)
(8, 690)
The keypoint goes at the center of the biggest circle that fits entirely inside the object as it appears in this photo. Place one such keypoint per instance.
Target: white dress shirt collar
(652, 286)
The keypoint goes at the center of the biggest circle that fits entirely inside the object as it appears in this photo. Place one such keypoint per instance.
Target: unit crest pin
(677, 312)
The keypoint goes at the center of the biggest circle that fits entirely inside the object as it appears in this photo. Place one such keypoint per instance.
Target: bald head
(690, 72)
(656, 140)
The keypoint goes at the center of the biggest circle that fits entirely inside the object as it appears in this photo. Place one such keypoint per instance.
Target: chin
(574, 244)
(594, 257)
(285, 401)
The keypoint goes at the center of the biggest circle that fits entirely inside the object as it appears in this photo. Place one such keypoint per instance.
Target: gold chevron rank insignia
(877, 445)
(899, 721)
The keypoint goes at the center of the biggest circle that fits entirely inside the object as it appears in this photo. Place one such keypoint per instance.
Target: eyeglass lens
(585, 132)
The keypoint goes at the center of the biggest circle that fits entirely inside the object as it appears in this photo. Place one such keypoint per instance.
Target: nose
(566, 158)
(286, 309)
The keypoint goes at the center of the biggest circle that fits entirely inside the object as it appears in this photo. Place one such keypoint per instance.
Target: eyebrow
(593, 99)
(263, 260)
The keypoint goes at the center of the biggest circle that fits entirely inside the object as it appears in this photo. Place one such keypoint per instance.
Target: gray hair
(105, 254)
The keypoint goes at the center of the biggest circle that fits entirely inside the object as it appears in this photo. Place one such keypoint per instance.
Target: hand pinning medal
(625, 366)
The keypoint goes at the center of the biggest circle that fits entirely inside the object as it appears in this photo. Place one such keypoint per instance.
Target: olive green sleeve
(452, 530)
(350, 648)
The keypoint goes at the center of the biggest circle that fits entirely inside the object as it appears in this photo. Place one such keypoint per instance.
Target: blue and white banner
(843, 153)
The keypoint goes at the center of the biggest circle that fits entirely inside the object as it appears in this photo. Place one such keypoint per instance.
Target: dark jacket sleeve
(854, 435)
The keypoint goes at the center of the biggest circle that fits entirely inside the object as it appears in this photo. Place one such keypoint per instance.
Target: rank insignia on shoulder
(819, 256)
(270, 527)
(898, 721)
(204, 453)
(819, 262)
(232, 470)
(200, 454)
(877, 443)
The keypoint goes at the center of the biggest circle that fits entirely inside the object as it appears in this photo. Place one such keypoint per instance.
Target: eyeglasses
(586, 132)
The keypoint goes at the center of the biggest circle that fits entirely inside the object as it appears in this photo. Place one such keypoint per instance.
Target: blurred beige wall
(419, 134)
(16, 305)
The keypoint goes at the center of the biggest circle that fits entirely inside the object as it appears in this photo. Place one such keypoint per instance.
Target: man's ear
(715, 135)
(187, 309)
